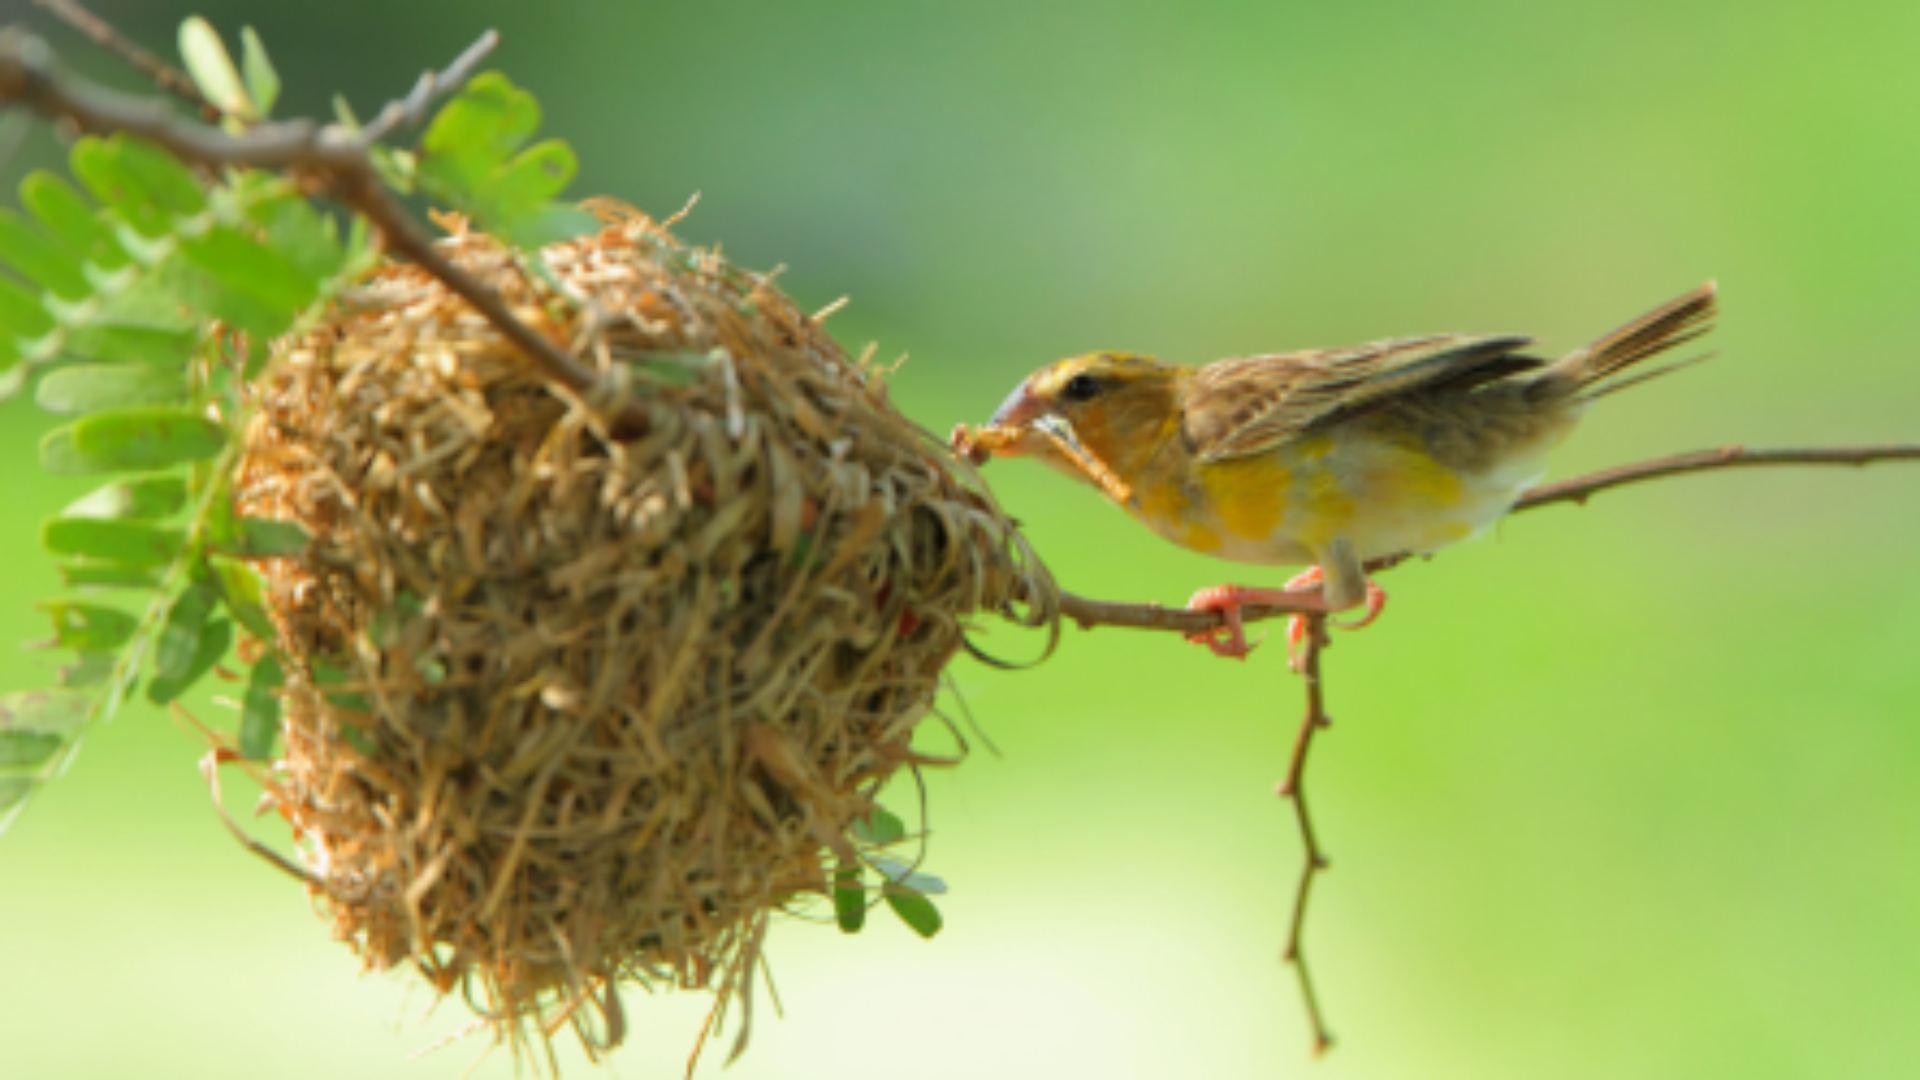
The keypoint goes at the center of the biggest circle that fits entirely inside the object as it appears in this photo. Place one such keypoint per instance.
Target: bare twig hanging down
(1314, 860)
(163, 75)
(1091, 613)
(335, 158)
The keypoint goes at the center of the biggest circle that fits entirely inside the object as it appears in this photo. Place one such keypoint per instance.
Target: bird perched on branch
(1327, 457)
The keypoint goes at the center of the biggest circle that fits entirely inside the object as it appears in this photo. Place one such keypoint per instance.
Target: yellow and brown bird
(1327, 457)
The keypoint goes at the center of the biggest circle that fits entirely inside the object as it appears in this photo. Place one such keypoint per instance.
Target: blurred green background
(1627, 790)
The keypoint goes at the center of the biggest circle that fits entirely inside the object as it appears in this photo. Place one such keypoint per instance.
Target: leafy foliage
(904, 888)
(140, 295)
(138, 299)
(472, 159)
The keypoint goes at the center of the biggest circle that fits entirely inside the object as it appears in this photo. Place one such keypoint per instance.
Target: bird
(1324, 457)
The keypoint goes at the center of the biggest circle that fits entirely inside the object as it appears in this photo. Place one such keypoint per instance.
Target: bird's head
(1119, 406)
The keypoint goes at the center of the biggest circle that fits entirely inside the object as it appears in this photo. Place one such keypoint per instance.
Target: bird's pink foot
(1297, 626)
(1231, 639)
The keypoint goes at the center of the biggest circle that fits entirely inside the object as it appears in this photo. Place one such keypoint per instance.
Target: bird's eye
(1081, 387)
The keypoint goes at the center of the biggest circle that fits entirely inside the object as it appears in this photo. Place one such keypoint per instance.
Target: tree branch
(331, 155)
(164, 75)
(1090, 613)
(1581, 488)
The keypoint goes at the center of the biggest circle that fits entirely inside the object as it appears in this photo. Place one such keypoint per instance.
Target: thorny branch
(336, 159)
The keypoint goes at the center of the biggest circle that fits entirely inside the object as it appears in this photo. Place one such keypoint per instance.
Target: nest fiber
(568, 706)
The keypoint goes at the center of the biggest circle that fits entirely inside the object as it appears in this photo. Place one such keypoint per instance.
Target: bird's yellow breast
(1381, 491)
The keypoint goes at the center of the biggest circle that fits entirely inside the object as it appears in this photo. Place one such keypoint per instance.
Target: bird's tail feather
(1583, 374)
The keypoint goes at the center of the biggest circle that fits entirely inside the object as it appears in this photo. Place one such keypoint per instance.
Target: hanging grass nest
(567, 707)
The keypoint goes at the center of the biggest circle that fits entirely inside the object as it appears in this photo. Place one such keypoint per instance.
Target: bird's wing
(1244, 406)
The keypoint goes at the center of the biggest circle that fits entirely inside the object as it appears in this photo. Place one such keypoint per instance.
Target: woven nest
(564, 710)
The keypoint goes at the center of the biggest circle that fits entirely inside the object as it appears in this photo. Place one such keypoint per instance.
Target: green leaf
(165, 180)
(305, 237)
(906, 877)
(88, 626)
(71, 219)
(142, 497)
(207, 60)
(263, 82)
(21, 313)
(201, 291)
(146, 438)
(243, 265)
(57, 454)
(25, 749)
(140, 344)
(103, 575)
(45, 710)
(915, 910)
(89, 668)
(36, 724)
(142, 301)
(546, 225)
(12, 790)
(240, 591)
(41, 260)
(489, 119)
(467, 160)
(131, 542)
(260, 719)
(882, 826)
(85, 388)
(849, 898)
(212, 644)
(260, 538)
(180, 634)
(535, 175)
(97, 163)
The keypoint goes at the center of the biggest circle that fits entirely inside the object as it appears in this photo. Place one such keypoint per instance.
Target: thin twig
(411, 111)
(1313, 859)
(1581, 488)
(331, 155)
(164, 75)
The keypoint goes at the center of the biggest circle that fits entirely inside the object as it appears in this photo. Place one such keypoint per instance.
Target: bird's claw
(1230, 638)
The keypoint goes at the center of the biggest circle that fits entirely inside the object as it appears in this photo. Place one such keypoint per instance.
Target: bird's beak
(1017, 414)
(1020, 409)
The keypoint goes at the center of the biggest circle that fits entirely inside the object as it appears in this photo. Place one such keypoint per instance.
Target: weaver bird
(1327, 457)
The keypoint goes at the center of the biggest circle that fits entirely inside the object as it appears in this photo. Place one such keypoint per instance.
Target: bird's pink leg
(1297, 626)
(1231, 639)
